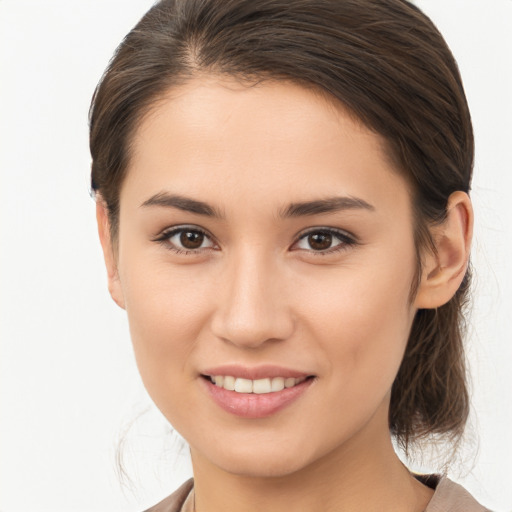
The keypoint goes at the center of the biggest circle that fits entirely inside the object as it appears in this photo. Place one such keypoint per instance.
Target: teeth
(229, 383)
(289, 383)
(259, 386)
(262, 386)
(243, 386)
(277, 384)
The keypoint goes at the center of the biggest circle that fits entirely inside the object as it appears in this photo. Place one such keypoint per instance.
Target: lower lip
(253, 405)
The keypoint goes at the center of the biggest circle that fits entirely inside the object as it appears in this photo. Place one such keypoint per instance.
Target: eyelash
(166, 236)
(346, 240)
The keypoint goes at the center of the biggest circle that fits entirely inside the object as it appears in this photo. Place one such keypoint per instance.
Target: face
(266, 244)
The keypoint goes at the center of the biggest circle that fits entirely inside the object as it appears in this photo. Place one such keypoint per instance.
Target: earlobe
(114, 284)
(444, 271)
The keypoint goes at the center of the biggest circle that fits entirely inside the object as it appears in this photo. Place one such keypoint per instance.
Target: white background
(68, 382)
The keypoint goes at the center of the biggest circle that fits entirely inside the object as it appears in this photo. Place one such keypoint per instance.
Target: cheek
(166, 311)
(362, 320)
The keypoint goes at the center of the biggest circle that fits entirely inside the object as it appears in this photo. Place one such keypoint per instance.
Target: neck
(362, 474)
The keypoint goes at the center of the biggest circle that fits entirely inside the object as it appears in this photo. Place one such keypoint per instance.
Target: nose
(253, 308)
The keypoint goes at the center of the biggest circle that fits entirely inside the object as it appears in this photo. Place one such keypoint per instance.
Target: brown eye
(191, 239)
(320, 241)
(325, 241)
(186, 239)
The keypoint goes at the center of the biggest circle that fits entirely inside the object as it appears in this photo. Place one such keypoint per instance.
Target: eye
(324, 241)
(186, 239)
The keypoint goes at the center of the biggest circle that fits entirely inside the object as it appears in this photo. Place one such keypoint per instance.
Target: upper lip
(254, 372)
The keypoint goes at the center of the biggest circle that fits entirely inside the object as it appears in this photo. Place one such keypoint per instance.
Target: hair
(389, 66)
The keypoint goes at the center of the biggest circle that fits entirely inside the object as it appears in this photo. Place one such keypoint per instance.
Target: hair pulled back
(386, 62)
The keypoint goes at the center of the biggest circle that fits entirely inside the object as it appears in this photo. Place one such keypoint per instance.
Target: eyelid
(164, 238)
(347, 239)
(328, 229)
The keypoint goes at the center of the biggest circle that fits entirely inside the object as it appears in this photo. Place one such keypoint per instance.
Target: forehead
(216, 135)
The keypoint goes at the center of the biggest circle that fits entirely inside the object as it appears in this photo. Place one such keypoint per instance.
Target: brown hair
(386, 62)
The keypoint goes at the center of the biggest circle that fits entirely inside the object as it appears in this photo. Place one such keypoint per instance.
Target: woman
(282, 200)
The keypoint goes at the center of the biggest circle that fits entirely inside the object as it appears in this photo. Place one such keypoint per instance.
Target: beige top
(448, 497)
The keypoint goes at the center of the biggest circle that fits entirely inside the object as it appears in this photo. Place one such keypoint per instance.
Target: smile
(258, 397)
(258, 386)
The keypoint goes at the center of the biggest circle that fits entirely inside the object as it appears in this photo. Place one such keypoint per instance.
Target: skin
(255, 292)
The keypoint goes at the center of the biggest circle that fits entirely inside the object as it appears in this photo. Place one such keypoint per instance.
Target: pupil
(191, 239)
(320, 241)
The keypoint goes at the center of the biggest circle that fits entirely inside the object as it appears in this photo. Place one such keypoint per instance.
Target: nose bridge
(252, 306)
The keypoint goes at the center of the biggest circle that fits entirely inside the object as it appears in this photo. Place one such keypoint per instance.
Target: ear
(114, 284)
(443, 272)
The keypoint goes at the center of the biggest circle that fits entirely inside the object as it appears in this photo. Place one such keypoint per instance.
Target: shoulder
(451, 497)
(175, 501)
(448, 497)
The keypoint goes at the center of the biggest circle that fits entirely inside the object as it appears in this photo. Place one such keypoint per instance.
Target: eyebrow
(182, 203)
(301, 209)
(328, 205)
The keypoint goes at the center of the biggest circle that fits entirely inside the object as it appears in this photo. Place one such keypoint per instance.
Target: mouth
(263, 386)
(269, 391)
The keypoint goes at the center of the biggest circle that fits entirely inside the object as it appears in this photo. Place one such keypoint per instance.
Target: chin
(273, 466)
(260, 459)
